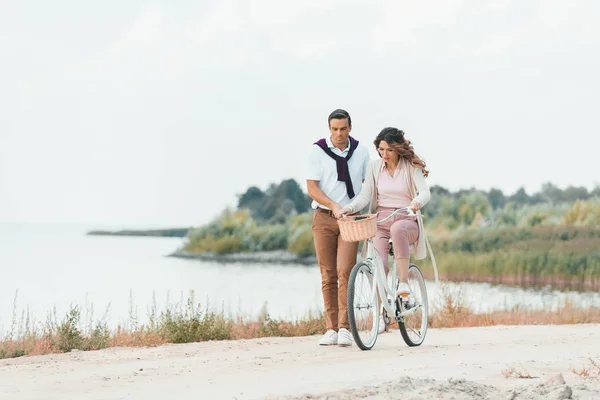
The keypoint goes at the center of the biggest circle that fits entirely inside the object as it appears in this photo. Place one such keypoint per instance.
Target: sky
(160, 113)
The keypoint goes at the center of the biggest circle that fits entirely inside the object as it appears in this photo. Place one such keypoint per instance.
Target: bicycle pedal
(405, 303)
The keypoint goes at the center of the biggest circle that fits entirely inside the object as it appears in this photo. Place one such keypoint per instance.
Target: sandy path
(277, 367)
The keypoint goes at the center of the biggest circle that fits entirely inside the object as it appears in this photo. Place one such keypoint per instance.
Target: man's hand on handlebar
(344, 211)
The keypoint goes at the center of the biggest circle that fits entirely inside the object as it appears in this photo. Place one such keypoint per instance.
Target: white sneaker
(403, 290)
(329, 338)
(344, 337)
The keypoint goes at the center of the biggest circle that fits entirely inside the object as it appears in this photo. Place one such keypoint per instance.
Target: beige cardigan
(418, 190)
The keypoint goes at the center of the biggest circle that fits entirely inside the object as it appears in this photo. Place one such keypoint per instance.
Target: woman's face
(387, 153)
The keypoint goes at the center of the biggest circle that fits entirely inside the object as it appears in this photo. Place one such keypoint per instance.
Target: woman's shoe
(403, 290)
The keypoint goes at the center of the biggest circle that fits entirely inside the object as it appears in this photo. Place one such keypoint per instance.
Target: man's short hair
(340, 114)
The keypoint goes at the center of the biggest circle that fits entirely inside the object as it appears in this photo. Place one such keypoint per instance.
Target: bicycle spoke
(415, 332)
(364, 306)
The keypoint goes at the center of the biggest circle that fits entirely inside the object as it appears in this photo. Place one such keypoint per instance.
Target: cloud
(413, 25)
(145, 33)
(479, 30)
(163, 92)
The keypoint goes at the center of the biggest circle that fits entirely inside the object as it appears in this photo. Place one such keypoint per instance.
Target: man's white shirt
(323, 168)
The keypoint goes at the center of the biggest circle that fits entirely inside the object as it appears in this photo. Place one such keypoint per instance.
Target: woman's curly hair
(394, 137)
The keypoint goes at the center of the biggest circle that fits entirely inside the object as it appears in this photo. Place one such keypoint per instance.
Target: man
(337, 168)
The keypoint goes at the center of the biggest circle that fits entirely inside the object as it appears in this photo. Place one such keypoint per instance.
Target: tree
(437, 190)
(520, 197)
(283, 211)
(553, 193)
(573, 193)
(496, 198)
(289, 189)
(252, 199)
(277, 202)
(471, 205)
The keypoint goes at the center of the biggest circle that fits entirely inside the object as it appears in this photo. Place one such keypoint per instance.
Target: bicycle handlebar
(411, 213)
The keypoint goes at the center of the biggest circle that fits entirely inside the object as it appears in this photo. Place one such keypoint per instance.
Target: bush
(191, 324)
(567, 257)
(267, 238)
(583, 213)
(301, 242)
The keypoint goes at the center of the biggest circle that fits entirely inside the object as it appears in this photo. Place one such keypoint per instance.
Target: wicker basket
(358, 227)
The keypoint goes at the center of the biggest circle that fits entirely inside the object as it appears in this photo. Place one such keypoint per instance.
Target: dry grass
(181, 323)
(518, 373)
(452, 311)
(187, 322)
(590, 371)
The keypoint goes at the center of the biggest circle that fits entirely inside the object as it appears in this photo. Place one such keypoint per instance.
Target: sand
(461, 363)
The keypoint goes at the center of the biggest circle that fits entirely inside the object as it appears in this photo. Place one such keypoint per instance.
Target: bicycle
(370, 275)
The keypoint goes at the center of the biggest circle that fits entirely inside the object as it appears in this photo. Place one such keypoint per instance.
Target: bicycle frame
(380, 279)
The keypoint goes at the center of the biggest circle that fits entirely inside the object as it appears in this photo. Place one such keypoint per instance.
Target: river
(51, 267)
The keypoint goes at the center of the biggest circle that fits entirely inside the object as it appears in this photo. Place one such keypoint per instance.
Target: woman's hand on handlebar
(415, 205)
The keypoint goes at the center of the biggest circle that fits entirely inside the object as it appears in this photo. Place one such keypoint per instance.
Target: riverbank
(446, 270)
(171, 232)
(259, 257)
(187, 322)
(502, 362)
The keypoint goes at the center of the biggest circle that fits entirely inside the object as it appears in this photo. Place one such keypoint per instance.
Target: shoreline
(169, 232)
(284, 257)
(261, 257)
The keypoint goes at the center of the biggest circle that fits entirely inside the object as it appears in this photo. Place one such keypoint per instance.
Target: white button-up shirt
(323, 168)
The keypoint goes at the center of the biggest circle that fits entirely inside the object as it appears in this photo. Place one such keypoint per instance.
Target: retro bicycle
(372, 296)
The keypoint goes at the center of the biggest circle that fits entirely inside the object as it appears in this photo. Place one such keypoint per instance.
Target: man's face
(340, 131)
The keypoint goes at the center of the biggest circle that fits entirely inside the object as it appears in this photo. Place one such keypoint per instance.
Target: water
(54, 267)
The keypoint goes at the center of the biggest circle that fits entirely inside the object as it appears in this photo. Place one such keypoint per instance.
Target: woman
(396, 180)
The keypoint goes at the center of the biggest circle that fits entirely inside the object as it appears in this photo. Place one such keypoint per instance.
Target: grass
(187, 322)
(588, 372)
(564, 257)
(183, 322)
(518, 373)
(452, 311)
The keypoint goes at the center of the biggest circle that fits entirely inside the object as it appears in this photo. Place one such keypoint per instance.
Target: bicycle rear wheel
(363, 306)
(413, 327)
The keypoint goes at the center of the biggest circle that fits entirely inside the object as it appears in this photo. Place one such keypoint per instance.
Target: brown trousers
(336, 259)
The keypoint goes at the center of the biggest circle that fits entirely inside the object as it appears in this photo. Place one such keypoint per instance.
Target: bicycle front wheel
(363, 306)
(413, 322)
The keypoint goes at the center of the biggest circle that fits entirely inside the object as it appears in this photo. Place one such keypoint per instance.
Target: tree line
(279, 201)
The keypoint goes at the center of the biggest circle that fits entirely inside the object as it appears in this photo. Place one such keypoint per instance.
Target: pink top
(392, 190)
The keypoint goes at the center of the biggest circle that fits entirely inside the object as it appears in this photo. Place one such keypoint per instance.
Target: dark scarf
(341, 163)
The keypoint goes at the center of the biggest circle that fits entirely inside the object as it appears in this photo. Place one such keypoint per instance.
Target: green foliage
(496, 198)
(99, 337)
(266, 238)
(301, 236)
(567, 257)
(487, 234)
(484, 241)
(183, 322)
(451, 211)
(69, 336)
(224, 235)
(277, 203)
(583, 213)
(192, 324)
(238, 232)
